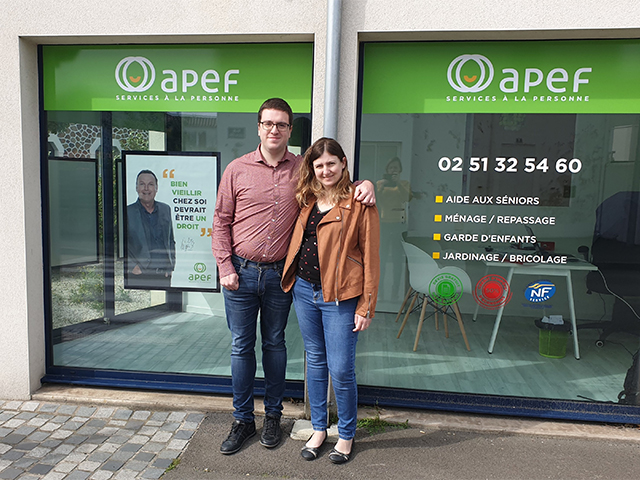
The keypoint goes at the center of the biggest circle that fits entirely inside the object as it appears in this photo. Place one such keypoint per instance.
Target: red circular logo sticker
(492, 292)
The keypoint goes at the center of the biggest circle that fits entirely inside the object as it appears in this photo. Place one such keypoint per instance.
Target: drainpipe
(332, 60)
(334, 17)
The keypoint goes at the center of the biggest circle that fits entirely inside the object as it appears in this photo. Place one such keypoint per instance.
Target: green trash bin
(553, 339)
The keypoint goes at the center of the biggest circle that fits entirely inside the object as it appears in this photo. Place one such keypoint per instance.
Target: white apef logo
(461, 83)
(135, 84)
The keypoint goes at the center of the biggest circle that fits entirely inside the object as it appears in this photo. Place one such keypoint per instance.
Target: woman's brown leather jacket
(348, 253)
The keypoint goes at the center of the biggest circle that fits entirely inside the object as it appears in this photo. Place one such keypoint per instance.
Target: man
(151, 247)
(253, 220)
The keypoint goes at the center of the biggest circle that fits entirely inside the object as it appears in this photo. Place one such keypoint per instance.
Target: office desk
(540, 270)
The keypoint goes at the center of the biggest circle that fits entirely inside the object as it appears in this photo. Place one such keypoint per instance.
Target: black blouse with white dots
(308, 265)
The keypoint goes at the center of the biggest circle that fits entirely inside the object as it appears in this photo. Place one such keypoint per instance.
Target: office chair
(615, 250)
(422, 269)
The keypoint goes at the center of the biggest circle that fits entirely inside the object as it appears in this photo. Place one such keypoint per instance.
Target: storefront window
(514, 177)
(101, 320)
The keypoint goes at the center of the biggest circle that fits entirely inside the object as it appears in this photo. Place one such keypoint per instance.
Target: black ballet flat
(338, 457)
(311, 453)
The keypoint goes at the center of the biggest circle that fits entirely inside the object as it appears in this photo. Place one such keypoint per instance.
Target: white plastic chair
(422, 269)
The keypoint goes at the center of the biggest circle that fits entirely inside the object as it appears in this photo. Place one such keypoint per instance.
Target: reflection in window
(561, 167)
(147, 331)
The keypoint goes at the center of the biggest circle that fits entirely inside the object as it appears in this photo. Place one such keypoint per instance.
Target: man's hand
(230, 282)
(361, 323)
(365, 193)
(136, 270)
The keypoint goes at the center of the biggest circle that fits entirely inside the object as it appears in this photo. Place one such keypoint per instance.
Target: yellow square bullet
(437, 236)
(437, 218)
(439, 198)
(436, 255)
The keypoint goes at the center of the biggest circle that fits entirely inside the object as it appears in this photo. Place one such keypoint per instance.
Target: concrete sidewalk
(99, 434)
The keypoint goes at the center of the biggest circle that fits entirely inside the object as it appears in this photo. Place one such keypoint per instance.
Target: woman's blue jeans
(259, 291)
(330, 342)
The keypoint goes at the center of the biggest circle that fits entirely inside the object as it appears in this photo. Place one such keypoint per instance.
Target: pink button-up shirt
(255, 210)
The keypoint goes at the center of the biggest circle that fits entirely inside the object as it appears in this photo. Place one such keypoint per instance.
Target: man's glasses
(267, 126)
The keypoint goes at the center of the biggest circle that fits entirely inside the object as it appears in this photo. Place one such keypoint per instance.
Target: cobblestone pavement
(51, 441)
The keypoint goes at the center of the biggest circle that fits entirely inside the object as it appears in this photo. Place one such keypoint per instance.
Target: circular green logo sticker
(445, 289)
(199, 267)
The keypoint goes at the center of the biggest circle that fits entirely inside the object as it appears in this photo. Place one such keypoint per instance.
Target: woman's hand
(361, 323)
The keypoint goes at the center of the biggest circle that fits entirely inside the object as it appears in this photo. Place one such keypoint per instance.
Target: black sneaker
(271, 432)
(240, 431)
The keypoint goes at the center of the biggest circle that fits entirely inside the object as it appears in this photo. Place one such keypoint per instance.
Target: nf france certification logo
(540, 291)
(470, 83)
(139, 83)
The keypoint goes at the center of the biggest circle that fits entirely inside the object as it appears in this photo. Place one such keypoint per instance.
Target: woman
(333, 267)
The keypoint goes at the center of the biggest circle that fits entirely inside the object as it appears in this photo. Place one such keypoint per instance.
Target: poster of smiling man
(170, 199)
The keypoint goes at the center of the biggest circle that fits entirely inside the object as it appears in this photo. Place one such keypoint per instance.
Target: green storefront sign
(184, 78)
(599, 76)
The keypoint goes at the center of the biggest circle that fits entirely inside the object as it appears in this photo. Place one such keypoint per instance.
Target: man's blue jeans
(259, 291)
(330, 342)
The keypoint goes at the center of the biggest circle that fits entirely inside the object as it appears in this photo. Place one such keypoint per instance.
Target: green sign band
(582, 76)
(184, 78)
